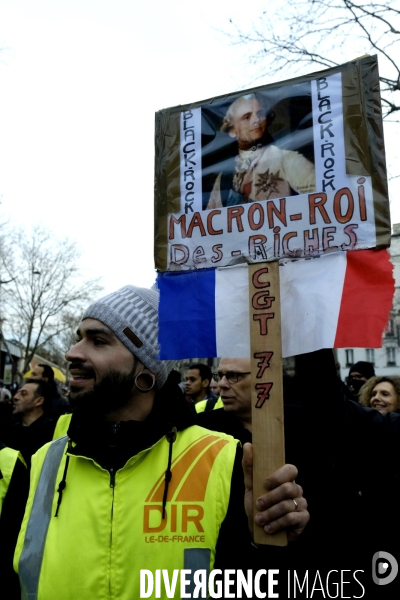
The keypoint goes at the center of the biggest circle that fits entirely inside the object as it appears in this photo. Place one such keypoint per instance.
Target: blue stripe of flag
(187, 314)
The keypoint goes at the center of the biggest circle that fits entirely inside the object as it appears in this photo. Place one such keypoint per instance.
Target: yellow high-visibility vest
(62, 426)
(201, 406)
(8, 459)
(107, 531)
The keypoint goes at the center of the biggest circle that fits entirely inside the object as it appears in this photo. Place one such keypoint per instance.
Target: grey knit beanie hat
(132, 315)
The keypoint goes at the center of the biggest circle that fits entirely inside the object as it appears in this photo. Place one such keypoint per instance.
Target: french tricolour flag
(334, 301)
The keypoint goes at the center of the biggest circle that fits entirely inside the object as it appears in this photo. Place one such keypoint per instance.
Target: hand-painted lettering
(256, 223)
(196, 221)
(311, 242)
(317, 201)
(262, 300)
(285, 244)
(361, 199)
(256, 278)
(263, 394)
(199, 255)
(235, 213)
(256, 247)
(218, 253)
(264, 363)
(280, 212)
(210, 227)
(349, 230)
(173, 221)
(177, 249)
(263, 320)
(343, 216)
(327, 237)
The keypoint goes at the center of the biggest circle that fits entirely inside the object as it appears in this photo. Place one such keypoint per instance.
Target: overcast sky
(80, 83)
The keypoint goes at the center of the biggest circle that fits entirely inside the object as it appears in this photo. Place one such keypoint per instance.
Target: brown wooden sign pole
(266, 383)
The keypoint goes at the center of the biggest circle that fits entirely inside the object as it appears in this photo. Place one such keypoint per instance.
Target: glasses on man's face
(231, 376)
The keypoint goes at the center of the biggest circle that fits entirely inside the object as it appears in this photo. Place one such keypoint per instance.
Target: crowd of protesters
(124, 403)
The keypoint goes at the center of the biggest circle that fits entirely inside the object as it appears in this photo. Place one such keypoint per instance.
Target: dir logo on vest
(177, 516)
(185, 507)
(384, 568)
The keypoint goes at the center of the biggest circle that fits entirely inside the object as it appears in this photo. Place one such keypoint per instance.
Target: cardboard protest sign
(267, 178)
(293, 169)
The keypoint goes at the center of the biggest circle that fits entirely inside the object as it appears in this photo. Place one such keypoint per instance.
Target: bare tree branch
(320, 32)
(46, 287)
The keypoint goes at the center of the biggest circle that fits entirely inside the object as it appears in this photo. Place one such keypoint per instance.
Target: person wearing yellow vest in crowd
(198, 380)
(202, 405)
(14, 483)
(8, 460)
(135, 484)
(210, 404)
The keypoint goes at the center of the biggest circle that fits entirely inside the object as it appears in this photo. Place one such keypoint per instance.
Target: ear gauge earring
(150, 379)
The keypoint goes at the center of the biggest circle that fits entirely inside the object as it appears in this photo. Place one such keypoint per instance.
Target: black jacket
(28, 439)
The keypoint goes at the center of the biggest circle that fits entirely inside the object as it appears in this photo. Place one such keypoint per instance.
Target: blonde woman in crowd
(381, 393)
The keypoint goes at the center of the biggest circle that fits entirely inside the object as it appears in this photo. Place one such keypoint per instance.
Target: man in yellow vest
(14, 483)
(206, 405)
(135, 487)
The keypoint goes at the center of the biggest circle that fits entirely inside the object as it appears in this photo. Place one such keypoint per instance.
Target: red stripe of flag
(366, 299)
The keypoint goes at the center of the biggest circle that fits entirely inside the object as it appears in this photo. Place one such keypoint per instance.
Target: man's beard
(111, 393)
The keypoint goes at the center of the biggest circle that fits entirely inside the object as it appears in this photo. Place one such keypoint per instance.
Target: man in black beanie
(359, 373)
(136, 486)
